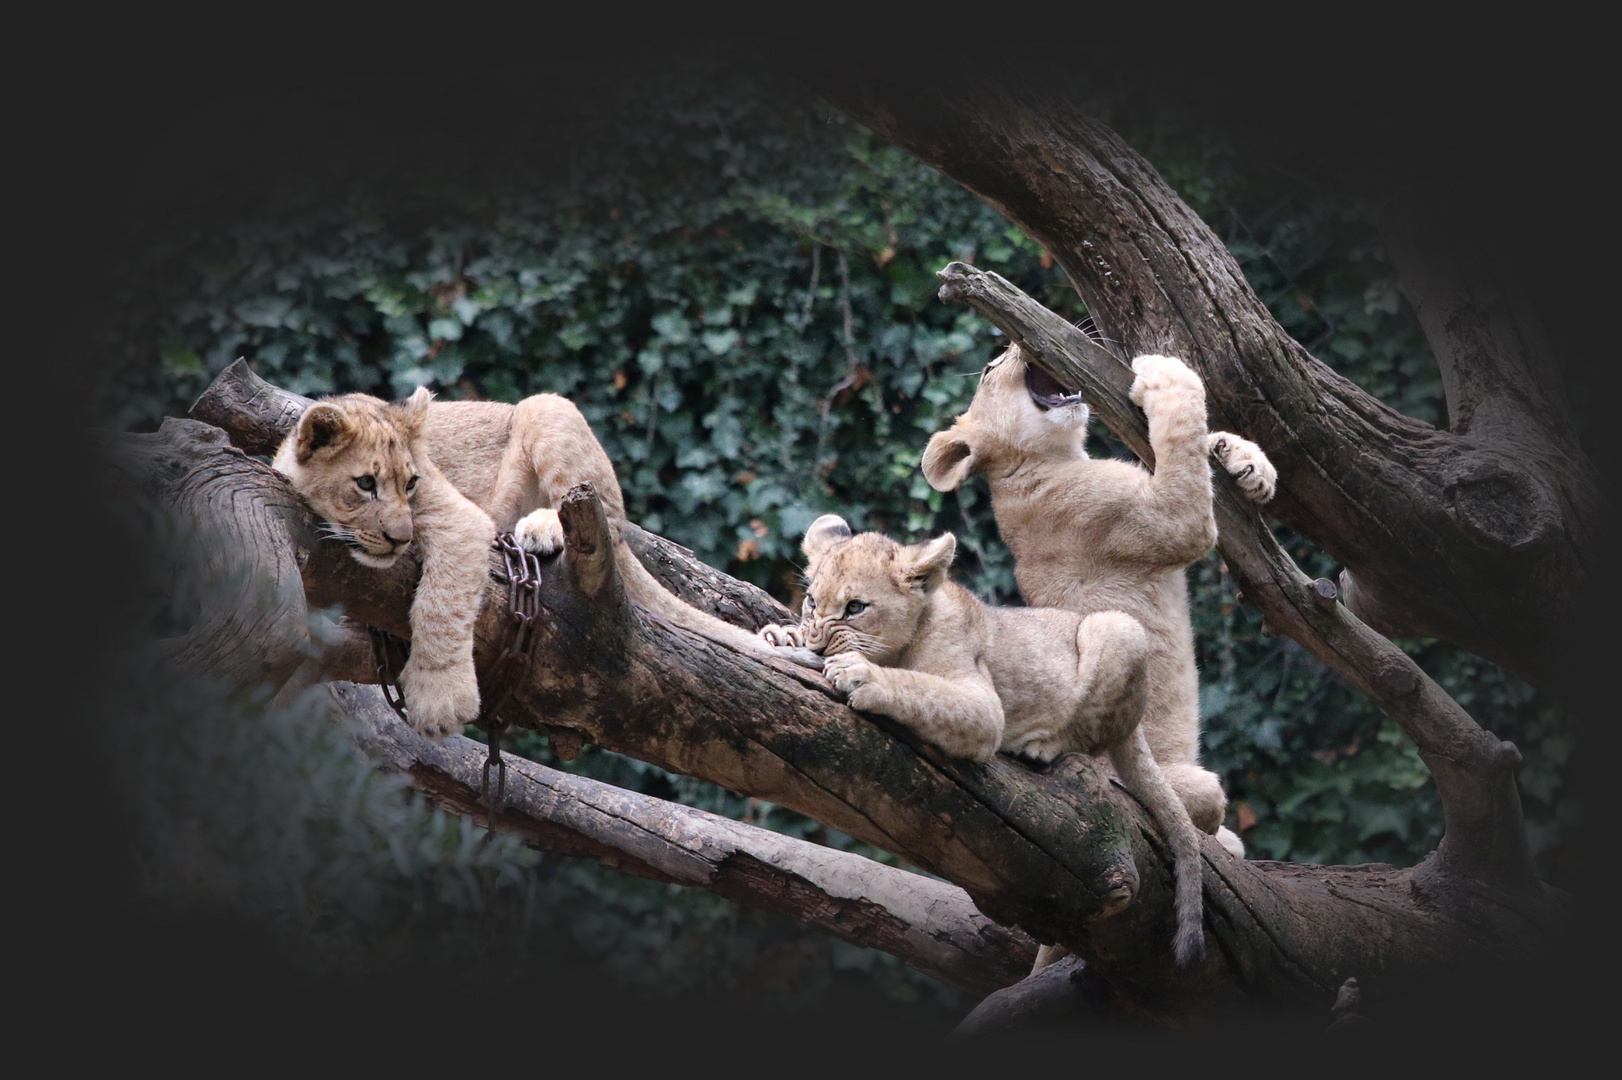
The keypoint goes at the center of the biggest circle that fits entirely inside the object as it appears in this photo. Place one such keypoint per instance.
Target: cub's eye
(411, 485)
(366, 483)
(855, 607)
(810, 604)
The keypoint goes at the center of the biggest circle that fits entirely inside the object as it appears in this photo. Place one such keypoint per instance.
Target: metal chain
(388, 660)
(523, 571)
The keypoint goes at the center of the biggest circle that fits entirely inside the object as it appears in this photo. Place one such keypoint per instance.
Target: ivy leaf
(720, 342)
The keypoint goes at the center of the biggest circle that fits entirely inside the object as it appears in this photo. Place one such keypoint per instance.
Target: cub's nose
(396, 542)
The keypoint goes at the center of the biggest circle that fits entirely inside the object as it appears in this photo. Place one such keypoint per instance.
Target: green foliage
(737, 288)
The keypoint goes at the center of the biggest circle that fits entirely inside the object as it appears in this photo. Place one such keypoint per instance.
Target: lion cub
(1093, 535)
(905, 641)
(447, 476)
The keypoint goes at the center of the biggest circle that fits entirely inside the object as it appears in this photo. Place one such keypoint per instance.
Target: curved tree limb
(1457, 535)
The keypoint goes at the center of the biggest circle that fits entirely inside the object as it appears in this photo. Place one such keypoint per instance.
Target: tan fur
(1092, 535)
(482, 467)
(904, 641)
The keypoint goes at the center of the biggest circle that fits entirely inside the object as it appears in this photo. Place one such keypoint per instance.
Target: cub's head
(1018, 409)
(867, 593)
(352, 457)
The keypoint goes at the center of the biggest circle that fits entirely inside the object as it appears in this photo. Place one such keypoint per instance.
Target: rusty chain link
(523, 572)
(388, 658)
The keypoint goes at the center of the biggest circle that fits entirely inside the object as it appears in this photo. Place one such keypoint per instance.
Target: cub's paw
(540, 532)
(1156, 374)
(440, 700)
(792, 636)
(1246, 463)
(848, 672)
(1038, 747)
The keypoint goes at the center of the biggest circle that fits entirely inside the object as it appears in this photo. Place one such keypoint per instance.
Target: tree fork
(1050, 852)
(1485, 829)
(1487, 554)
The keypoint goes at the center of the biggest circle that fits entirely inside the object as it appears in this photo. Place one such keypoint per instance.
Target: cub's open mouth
(1045, 390)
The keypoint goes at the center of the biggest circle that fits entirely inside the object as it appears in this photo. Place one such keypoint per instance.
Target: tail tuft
(1137, 767)
(1190, 946)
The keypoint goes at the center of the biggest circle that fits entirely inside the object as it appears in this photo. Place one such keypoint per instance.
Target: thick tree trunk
(1066, 855)
(1485, 535)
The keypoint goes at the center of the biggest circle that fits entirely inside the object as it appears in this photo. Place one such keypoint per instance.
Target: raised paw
(440, 701)
(540, 532)
(1156, 373)
(848, 672)
(1246, 463)
(774, 634)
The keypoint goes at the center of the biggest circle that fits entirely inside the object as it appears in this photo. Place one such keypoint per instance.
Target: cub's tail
(1138, 771)
(650, 594)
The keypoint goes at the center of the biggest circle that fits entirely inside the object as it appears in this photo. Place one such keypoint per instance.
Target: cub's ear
(824, 533)
(924, 566)
(322, 427)
(414, 409)
(949, 459)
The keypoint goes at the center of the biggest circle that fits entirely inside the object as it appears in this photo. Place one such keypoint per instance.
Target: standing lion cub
(1096, 534)
(447, 476)
(905, 641)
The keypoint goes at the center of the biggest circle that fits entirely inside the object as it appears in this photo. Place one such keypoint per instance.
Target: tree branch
(1485, 832)
(1442, 536)
(1498, 369)
(929, 924)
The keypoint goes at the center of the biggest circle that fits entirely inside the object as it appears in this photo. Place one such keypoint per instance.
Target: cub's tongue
(1045, 389)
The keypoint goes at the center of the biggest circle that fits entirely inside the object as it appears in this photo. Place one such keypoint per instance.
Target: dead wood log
(929, 924)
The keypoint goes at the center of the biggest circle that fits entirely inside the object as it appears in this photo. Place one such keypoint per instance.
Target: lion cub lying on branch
(905, 641)
(447, 476)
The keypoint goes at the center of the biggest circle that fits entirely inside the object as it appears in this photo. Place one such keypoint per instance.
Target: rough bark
(1460, 535)
(1064, 854)
(1485, 832)
(927, 923)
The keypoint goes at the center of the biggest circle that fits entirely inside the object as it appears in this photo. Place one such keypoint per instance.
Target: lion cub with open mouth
(905, 641)
(1095, 534)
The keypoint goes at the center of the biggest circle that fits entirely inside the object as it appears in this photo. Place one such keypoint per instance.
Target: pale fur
(1093, 535)
(482, 467)
(973, 679)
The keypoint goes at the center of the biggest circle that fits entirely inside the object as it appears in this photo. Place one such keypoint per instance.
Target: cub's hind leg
(1112, 650)
(540, 531)
(1200, 791)
(551, 448)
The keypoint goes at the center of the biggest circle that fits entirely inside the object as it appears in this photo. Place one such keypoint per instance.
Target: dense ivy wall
(736, 286)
